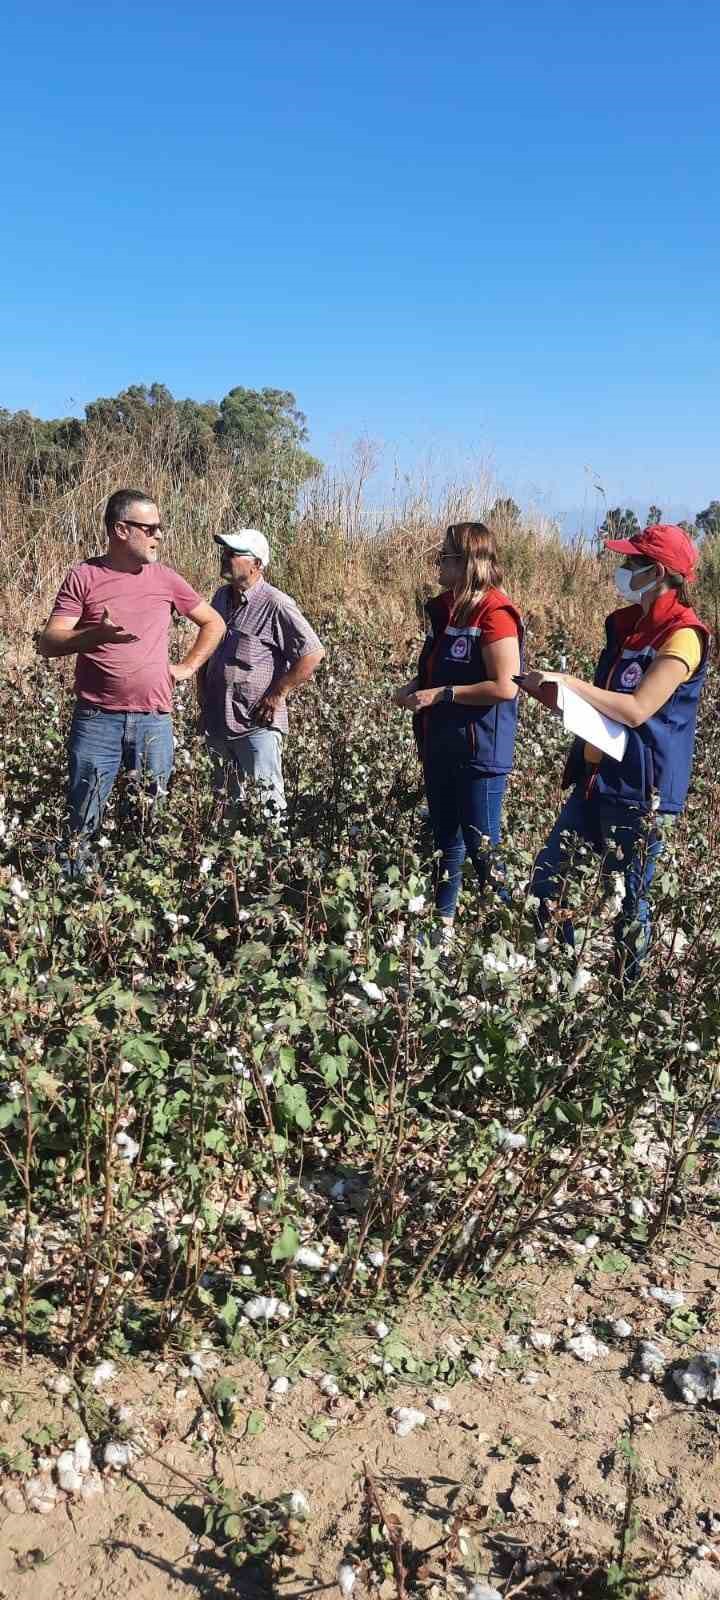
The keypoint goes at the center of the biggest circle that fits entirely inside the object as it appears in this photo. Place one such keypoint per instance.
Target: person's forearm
(209, 636)
(77, 642)
(299, 673)
(489, 693)
(621, 707)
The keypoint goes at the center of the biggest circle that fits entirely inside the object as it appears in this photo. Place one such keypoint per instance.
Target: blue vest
(657, 764)
(453, 654)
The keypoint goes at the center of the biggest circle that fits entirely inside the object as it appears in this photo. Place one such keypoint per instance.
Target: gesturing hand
(109, 632)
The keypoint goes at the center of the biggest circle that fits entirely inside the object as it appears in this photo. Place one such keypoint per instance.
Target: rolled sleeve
(295, 635)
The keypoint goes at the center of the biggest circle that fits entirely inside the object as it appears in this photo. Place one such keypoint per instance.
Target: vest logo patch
(631, 675)
(460, 649)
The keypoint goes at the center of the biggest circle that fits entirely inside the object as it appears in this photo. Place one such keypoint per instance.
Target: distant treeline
(185, 433)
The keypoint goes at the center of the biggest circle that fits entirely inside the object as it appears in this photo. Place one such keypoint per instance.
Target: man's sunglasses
(147, 527)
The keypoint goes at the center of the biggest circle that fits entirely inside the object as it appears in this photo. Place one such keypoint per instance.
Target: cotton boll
(586, 1348)
(68, 1476)
(580, 981)
(541, 1339)
(266, 1308)
(346, 1579)
(406, 1419)
(379, 1329)
(376, 1258)
(298, 1504)
(118, 1455)
(41, 1495)
(651, 1362)
(307, 1257)
(511, 1141)
(103, 1374)
(329, 1385)
(673, 1298)
(82, 1455)
(372, 991)
(699, 1379)
(60, 1385)
(280, 1387)
(126, 1147)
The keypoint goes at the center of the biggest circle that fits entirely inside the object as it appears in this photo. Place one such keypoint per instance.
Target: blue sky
(473, 231)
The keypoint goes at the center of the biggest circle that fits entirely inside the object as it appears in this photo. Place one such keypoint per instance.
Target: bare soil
(527, 1458)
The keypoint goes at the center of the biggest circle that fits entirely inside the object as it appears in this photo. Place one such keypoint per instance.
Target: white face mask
(624, 576)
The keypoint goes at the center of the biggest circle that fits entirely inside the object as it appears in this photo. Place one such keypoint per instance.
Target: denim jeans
(256, 755)
(465, 805)
(628, 842)
(101, 742)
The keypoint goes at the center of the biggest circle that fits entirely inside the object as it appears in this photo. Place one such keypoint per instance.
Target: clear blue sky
(478, 229)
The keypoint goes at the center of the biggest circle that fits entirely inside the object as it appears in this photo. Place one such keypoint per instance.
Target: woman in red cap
(649, 677)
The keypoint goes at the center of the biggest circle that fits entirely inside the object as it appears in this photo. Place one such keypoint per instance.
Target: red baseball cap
(663, 542)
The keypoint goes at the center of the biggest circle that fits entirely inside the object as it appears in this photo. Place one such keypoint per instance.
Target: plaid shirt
(266, 635)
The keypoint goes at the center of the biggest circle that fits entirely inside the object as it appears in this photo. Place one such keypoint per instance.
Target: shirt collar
(246, 598)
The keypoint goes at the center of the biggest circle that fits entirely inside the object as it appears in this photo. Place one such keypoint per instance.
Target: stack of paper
(586, 723)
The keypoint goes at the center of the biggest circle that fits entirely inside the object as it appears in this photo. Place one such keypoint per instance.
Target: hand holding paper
(542, 686)
(579, 717)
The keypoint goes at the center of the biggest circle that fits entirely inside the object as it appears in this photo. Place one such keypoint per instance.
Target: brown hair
(474, 544)
(679, 584)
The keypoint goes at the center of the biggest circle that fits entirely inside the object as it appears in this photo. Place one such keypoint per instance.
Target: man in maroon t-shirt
(113, 612)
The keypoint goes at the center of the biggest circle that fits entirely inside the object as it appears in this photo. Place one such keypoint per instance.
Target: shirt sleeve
(184, 598)
(70, 598)
(687, 645)
(295, 636)
(501, 625)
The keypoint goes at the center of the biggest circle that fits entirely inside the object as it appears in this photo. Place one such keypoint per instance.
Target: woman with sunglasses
(649, 677)
(464, 702)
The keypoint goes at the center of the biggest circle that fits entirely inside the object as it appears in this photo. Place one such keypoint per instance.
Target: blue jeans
(465, 805)
(256, 755)
(101, 742)
(628, 842)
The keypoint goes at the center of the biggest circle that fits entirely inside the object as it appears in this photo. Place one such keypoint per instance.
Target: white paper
(580, 718)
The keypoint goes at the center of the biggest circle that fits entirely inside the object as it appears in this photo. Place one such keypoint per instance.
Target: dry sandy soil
(526, 1458)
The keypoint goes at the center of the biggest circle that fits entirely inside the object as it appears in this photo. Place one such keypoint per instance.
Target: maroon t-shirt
(125, 677)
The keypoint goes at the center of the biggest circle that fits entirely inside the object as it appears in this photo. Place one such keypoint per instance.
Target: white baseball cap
(246, 542)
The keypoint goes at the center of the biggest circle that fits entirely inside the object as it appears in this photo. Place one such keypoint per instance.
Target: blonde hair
(474, 544)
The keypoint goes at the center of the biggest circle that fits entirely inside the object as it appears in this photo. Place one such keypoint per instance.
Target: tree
(708, 521)
(254, 419)
(505, 515)
(620, 524)
(653, 517)
(134, 410)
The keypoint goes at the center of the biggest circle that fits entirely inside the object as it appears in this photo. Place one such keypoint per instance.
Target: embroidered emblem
(631, 675)
(460, 649)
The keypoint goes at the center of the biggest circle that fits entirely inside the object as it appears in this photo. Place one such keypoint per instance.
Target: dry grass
(341, 550)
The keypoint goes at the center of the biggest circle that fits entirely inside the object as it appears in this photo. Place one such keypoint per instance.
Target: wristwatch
(448, 695)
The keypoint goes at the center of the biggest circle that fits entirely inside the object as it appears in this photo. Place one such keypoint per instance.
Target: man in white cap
(269, 650)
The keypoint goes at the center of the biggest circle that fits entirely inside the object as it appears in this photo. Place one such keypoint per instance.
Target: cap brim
(235, 549)
(627, 546)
